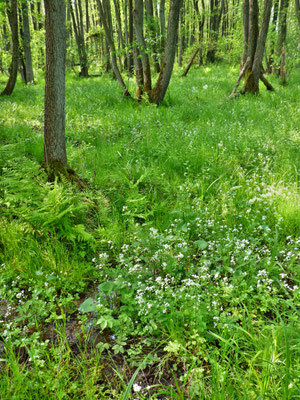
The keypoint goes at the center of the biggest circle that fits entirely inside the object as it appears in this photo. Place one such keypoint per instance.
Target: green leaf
(88, 306)
(201, 244)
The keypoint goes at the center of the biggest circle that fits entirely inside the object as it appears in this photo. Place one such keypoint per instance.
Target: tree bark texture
(55, 156)
(12, 12)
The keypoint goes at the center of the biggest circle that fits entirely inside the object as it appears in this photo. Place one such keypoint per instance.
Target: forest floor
(175, 273)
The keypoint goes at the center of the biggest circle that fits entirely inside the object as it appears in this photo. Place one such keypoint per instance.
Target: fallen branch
(191, 61)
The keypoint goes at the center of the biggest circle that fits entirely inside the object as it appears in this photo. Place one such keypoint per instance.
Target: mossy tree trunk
(12, 12)
(55, 156)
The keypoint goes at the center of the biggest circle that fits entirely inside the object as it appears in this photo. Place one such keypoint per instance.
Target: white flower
(136, 387)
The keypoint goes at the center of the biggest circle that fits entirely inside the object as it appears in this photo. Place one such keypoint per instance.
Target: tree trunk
(139, 31)
(26, 44)
(162, 19)
(55, 156)
(151, 29)
(77, 19)
(281, 45)
(215, 18)
(255, 47)
(119, 23)
(181, 36)
(157, 94)
(273, 33)
(87, 16)
(106, 21)
(130, 36)
(12, 12)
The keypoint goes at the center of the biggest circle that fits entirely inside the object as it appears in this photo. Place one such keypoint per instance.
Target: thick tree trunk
(157, 94)
(26, 44)
(12, 12)
(55, 157)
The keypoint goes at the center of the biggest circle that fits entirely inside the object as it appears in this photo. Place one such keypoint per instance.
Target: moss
(58, 170)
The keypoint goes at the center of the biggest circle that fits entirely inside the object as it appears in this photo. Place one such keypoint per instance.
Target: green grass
(190, 225)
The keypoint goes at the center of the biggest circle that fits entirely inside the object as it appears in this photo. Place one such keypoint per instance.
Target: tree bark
(157, 94)
(12, 12)
(29, 78)
(55, 156)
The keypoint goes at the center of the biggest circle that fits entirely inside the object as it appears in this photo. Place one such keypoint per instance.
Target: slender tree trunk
(12, 12)
(55, 156)
(151, 30)
(245, 31)
(77, 19)
(87, 16)
(26, 44)
(273, 33)
(119, 24)
(157, 94)
(162, 19)
(181, 36)
(130, 36)
(106, 21)
(256, 46)
(281, 45)
(139, 31)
